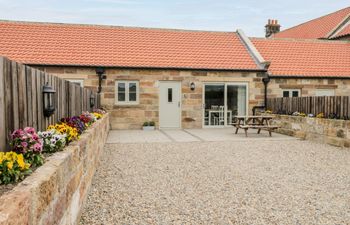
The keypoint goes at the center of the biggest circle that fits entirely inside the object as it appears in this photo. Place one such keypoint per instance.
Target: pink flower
(29, 130)
(24, 144)
(37, 147)
(35, 137)
(17, 133)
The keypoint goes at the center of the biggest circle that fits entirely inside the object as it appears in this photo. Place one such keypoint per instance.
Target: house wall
(133, 116)
(308, 87)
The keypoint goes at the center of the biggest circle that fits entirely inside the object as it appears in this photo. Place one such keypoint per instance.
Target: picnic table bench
(254, 122)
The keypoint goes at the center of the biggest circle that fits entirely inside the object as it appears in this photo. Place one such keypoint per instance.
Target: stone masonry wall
(55, 192)
(308, 87)
(328, 131)
(133, 116)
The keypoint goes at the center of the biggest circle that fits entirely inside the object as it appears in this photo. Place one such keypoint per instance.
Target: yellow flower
(10, 165)
(51, 127)
(97, 115)
(21, 164)
(11, 156)
(2, 154)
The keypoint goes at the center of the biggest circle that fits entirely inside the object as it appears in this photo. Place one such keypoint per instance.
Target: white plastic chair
(221, 119)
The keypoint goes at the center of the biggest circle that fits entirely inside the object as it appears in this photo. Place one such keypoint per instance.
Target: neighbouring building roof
(305, 58)
(111, 46)
(330, 26)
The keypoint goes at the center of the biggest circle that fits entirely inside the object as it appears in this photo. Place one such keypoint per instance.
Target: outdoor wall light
(192, 86)
(48, 100)
(92, 100)
(100, 73)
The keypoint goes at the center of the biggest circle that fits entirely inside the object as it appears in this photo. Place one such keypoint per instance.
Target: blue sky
(220, 15)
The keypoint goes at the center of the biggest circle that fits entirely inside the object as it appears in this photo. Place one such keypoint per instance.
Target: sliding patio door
(236, 101)
(222, 102)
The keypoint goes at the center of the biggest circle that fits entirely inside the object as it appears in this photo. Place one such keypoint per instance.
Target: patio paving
(178, 179)
(189, 135)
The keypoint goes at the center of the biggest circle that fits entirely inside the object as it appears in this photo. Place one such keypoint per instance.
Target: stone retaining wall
(55, 192)
(329, 131)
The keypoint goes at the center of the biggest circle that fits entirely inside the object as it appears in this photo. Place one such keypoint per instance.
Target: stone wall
(55, 192)
(307, 87)
(328, 131)
(133, 116)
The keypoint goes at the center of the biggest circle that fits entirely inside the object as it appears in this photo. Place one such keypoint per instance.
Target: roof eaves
(311, 77)
(147, 67)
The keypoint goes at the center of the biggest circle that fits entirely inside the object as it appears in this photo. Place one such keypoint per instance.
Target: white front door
(169, 104)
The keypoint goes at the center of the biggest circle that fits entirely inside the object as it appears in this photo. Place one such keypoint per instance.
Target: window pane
(295, 93)
(121, 97)
(132, 97)
(170, 95)
(286, 94)
(132, 87)
(121, 87)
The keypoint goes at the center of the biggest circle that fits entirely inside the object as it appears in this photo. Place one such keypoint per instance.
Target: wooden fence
(331, 106)
(21, 99)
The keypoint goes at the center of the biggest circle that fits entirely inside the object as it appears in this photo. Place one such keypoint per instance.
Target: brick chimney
(272, 27)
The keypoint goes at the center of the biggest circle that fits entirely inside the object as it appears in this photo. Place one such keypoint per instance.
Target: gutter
(144, 67)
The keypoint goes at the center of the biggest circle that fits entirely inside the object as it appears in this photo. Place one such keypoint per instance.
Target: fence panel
(21, 99)
(330, 106)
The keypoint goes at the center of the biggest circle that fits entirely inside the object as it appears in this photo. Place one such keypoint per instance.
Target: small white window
(78, 82)
(127, 92)
(325, 92)
(291, 93)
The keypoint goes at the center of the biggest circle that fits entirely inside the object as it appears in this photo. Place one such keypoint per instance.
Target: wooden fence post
(2, 107)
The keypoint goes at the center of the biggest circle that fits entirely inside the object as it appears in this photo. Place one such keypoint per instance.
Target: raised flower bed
(63, 159)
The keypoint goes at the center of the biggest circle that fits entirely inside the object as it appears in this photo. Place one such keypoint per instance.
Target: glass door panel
(214, 96)
(223, 102)
(236, 101)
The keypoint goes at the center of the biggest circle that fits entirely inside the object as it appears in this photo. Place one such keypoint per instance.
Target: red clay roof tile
(317, 28)
(307, 58)
(92, 45)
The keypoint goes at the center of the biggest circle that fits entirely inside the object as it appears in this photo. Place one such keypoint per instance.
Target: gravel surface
(247, 182)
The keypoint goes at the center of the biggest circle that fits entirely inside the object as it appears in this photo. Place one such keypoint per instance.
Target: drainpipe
(265, 80)
(100, 73)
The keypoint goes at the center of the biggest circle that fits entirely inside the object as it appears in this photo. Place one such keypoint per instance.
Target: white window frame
(80, 82)
(127, 102)
(326, 92)
(291, 92)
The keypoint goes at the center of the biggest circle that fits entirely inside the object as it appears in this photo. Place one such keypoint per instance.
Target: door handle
(178, 104)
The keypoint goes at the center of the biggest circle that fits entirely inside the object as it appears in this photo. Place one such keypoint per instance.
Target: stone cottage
(179, 78)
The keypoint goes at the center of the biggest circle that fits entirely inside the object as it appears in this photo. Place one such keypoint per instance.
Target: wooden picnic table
(255, 122)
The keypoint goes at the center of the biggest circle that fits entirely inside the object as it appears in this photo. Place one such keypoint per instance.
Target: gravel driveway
(241, 182)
